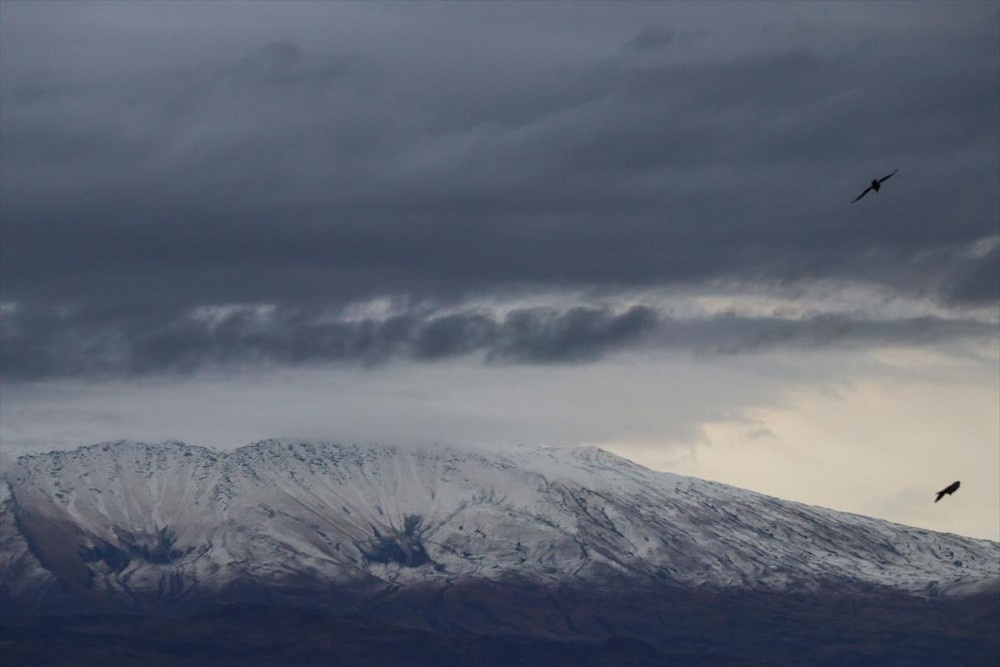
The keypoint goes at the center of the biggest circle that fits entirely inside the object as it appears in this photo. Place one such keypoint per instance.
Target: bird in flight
(947, 491)
(876, 184)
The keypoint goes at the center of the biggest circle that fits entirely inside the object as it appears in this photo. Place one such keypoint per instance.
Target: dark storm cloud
(978, 279)
(56, 343)
(435, 157)
(40, 345)
(655, 37)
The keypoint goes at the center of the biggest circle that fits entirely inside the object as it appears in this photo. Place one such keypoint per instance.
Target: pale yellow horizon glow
(881, 447)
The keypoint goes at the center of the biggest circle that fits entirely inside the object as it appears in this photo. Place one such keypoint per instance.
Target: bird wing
(862, 194)
(886, 178)
(948, 490)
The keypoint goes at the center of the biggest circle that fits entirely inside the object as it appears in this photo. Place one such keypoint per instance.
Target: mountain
(565, 545)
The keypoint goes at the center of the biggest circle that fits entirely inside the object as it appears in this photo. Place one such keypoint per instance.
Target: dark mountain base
(252, 637)
(693, 629)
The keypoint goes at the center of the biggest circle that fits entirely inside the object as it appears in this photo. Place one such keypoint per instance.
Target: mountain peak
(130, 520)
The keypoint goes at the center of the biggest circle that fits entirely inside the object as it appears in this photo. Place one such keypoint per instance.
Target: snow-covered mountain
(148, 524)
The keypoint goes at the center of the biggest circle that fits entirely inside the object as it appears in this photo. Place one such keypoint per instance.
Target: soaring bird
(948, 490)
(876, 184)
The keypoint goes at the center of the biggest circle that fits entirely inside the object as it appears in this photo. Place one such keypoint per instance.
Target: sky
(619, 224)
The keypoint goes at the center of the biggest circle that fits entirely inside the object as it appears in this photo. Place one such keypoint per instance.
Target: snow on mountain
(172, 522)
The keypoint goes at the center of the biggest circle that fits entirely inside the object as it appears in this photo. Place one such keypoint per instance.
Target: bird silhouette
(876, 185)
(948, 490)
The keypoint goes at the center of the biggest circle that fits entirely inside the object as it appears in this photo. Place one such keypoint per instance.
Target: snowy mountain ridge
(174, 521)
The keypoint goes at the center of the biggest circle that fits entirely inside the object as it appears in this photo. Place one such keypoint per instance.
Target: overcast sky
(619, 224)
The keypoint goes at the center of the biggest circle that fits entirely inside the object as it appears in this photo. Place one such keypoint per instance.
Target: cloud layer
(61, 343)
(449, 156)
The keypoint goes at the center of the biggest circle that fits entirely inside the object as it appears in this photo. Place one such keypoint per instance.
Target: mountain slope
(131, 524)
